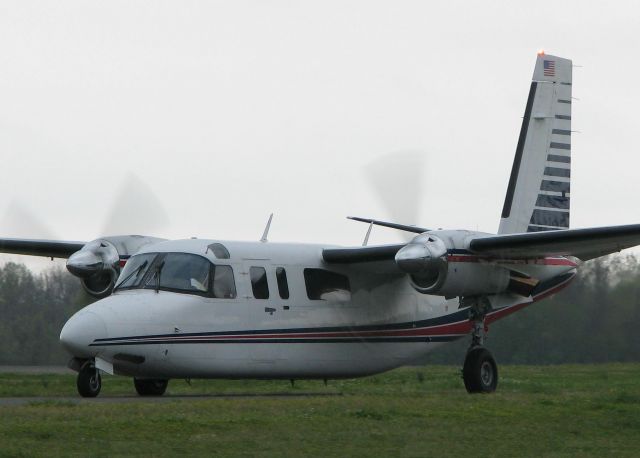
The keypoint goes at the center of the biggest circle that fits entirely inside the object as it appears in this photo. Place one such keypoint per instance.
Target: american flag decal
(549, 67)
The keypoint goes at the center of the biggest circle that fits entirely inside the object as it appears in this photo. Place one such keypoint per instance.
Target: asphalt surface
(37, 400)
(35, 370)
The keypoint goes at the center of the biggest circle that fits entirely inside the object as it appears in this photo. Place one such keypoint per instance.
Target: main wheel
(89, 382)
(150, 387)
(480, 371)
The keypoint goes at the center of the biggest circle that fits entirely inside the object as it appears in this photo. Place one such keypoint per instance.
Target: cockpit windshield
(134, 270)
(178, 272)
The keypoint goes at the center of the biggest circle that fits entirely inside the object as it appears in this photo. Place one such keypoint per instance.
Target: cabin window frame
(313, 275)
(148, 281)
(259, 282)
(282, 282)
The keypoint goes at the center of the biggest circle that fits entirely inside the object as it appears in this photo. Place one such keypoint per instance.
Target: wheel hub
(486, 373)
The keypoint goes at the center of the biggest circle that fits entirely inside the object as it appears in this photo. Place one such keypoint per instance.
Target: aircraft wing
(361, 254)
(46, 248)
(584, 244)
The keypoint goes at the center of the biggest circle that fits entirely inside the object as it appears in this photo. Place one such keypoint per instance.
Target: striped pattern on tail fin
(538, 195)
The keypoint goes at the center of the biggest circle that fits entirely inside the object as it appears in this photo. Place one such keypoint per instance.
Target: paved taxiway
(18, 401)
(35, 370)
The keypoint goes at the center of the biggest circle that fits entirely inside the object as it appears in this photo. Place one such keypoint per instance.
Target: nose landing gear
(89, 381)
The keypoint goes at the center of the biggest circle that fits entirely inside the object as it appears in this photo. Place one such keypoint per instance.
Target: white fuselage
(384, 323)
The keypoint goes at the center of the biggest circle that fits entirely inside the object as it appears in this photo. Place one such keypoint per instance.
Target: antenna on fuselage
(266, 230)
(366, 237)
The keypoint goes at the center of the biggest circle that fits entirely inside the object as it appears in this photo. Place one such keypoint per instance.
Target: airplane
(198, 308)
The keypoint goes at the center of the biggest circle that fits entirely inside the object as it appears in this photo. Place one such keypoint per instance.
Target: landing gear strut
(480, 371)
(150, 387)
(89, 381)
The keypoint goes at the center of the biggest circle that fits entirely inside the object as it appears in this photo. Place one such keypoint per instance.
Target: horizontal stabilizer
(401, 227)
(582, 243)
(46, 248)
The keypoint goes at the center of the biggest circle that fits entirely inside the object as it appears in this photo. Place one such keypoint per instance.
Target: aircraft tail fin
(538, 194)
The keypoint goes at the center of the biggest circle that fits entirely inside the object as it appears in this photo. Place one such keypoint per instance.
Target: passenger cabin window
(178, 272)
(283, 285)
(259, 283)
(324, 285)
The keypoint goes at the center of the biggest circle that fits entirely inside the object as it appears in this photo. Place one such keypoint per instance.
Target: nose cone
(413, 258)
(80, 331)
(84, 263)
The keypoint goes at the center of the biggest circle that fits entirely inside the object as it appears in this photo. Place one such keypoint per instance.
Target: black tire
(480, 371)
(89, 382)
(150, 387)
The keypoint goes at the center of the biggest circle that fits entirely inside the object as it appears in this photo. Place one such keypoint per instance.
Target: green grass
(577, 410)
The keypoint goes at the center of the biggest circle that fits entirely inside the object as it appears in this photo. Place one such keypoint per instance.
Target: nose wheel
(89, 381)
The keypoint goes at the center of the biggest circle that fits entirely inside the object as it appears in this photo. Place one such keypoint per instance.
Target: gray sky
(231, 110)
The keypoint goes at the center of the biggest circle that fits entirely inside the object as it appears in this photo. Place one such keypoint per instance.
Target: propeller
(19, 221)
(397, 179)
(135, 210)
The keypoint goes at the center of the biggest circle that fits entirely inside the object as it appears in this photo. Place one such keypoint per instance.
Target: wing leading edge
(45, 248)
(361, 254)
(584, 244)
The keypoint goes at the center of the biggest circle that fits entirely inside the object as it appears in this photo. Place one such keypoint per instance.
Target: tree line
(595, 319)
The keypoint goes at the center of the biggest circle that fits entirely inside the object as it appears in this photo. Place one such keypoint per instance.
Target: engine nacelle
(98, 263)
(463, 279)
(434, 268)
(100, 284)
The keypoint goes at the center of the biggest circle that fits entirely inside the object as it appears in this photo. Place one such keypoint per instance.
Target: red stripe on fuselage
(459, 328)
(542, 261)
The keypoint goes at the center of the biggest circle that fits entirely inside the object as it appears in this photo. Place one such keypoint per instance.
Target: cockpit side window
(224, 285)
(181, 272)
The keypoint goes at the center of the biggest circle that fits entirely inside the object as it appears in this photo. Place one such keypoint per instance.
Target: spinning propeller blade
(397, 179)
(135, 210)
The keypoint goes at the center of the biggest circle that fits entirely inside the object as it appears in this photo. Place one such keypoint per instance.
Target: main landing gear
(480, 371)
(150, 387)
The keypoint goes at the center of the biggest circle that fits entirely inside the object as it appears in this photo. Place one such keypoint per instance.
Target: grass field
(577, 410)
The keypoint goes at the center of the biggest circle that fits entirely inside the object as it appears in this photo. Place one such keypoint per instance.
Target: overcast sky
(229, 111)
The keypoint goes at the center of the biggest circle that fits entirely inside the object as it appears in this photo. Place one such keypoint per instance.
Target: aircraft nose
(80, 331)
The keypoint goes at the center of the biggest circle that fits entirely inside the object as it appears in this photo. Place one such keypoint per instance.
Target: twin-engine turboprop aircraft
(211, 309)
